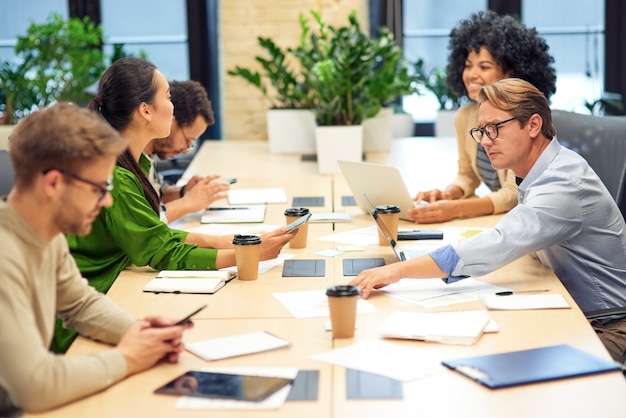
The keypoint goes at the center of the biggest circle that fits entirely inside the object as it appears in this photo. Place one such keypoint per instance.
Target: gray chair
(601, 140)
(6, 173)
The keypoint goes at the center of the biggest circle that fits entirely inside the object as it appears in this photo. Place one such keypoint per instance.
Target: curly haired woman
(485, 48)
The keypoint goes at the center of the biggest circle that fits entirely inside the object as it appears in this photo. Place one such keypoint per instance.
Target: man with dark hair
(192, 115)
(565, 216)
(63, 158)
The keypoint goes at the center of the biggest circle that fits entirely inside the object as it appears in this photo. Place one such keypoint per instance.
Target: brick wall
(241, 22)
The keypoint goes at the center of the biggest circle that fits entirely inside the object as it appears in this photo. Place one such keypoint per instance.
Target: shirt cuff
(447, 258)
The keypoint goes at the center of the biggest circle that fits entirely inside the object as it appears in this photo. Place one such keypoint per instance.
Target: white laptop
(383, 185)
(402, 254)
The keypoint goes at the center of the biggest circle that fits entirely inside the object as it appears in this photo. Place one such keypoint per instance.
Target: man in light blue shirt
(565, 215)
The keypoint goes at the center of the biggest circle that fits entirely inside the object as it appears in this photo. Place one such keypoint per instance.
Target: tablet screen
(224, 386)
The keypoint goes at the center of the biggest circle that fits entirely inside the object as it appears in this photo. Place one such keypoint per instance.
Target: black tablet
(224, 386)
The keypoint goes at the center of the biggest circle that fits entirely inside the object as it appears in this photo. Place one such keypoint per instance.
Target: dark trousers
(613, 336)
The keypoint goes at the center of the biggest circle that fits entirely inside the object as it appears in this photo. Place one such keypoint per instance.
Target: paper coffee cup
(300, 240)
(389, 215)
(247, 255)
(342, 306)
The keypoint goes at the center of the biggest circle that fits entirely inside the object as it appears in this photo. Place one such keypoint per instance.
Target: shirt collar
(540, 165)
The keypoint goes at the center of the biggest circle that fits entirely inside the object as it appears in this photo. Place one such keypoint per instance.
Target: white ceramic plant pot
(338, 143)
(291, 131)
(378, 131)
(444, 124)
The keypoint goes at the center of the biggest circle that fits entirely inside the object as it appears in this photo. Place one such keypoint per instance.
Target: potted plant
(57, 60)
(290, 120)
(342, 63)
(390, 81)
(434, 80)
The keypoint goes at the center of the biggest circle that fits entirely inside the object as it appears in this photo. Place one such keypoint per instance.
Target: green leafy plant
(341, 77)
(57, 59)
(434, 80)
(288, 88)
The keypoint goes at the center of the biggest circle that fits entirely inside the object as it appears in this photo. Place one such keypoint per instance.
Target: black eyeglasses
(490, 129)
(102, 190)
(190, 142)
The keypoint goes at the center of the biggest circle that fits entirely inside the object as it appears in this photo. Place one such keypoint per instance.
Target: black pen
(223, 208)
(511, 292)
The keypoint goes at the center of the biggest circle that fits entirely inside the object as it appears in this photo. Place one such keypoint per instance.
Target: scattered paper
(432, 293)
(520, 302)
(236, 345)
(384, 358)
(314, 303)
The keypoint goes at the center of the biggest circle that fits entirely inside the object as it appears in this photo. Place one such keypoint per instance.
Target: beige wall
(241, 22)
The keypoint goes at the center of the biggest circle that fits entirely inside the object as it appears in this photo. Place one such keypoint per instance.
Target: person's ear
(50, 182)
(145, 111)
(535, 123)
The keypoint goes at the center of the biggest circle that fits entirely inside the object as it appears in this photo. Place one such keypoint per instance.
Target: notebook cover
(530, 366)
(304, 268)
(353, 266)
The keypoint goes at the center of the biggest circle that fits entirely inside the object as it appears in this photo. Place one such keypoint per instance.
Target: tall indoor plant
(341, 61)
(56, 61)
(290, 120)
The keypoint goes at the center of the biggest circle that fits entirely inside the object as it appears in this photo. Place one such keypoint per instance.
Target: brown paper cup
(342, 306)
(391, 222)
(247, 255)
(300, 240)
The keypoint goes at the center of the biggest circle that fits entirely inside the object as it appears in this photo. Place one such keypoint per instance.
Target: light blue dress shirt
(568, 219)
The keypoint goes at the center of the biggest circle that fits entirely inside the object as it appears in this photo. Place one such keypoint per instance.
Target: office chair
(601, 140)
(7, 175)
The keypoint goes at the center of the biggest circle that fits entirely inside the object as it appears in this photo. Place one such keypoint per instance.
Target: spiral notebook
(451, 327)
(189, 281)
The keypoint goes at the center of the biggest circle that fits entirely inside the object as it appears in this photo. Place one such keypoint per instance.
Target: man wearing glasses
(63, 158)
(192, 115)
(565, 215)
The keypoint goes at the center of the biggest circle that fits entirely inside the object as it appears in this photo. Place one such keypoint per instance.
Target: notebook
(530, 366)
(451, 327)
(233, 214)
(383, 184)
(189, 281)
(402, 255)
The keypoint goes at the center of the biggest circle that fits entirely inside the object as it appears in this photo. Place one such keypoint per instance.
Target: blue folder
(530, 366)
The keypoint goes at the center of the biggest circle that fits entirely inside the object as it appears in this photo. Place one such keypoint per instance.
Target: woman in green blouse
(133, 96)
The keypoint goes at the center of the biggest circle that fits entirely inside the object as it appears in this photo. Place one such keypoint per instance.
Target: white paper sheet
(432, 293)
(520, 302)
(383, 358)
(314, 303)
(235, 345)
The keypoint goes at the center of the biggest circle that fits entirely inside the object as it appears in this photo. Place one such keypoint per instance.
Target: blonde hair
(521, 99)
(63, 137)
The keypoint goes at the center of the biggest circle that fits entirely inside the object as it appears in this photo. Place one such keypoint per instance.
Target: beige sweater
(468, 178)
(39, 278)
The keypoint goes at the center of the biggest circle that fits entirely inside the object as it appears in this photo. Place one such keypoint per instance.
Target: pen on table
(231, 181)
(511, 292)
(221, 208)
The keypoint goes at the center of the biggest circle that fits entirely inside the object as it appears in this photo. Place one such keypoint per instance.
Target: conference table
(247, 306)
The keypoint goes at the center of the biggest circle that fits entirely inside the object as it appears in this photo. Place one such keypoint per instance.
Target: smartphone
(231, 181)
(298, 222)
(187, 319)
